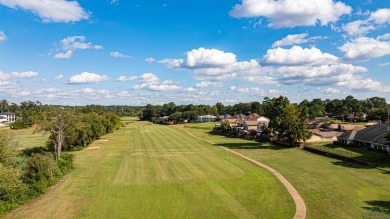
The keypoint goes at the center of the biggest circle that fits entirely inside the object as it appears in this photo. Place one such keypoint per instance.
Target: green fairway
(27, 139)
(330, 188)
(156, 171)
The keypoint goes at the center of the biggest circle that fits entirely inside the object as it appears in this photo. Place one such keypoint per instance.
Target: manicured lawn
(157, 171)
(330, 188)
(27, 139)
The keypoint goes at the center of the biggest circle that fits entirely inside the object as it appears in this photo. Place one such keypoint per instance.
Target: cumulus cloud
(150, 81)
(118, 55)
(73, 43)
(3, 37)
(316, 75)
(205, 84)
(292, 13)
(87, 77)
(295, 39)
(359, 27)
(213, 65)
(50, 10)
(203, 58)
(125, 78)
(365, 48)
(381, 17)
(298, 56)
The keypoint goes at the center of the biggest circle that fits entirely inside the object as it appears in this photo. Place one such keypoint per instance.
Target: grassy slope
(154, 171)
(331, 188)
(27, 139)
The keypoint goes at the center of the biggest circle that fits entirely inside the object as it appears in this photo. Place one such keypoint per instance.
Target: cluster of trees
(71, 129)
(26, 174)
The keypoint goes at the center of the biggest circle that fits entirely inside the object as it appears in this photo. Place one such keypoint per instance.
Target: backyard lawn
(331, 188)
(27, 139)
(157, 171)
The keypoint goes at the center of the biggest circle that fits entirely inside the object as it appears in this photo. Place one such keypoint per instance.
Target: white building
(10, 117)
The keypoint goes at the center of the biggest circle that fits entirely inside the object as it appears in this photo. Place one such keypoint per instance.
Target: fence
(331, 152)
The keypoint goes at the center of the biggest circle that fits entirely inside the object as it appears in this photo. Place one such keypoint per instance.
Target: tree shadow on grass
(250, 146)
(378, 206)
(352, 164)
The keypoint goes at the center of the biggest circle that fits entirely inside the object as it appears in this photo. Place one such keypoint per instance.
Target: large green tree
(59, 123)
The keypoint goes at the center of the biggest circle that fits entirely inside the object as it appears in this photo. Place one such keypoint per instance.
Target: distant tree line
(374, 108)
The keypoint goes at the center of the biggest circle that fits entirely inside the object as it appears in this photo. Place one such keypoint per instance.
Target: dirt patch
(92, 148)
(104, 139)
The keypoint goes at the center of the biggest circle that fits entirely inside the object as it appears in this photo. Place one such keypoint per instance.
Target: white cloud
(150, 60)
(150, 81)
(213, 65)
(59, 77)
(381, 16)
(17, 75)
(317, 75)
(295, 39)
(87, 77)
(118, 55)
(292, 13)
(73, 43)
(205, 84)
(3, 37)
(65, 55)
(124, 78)
(384, 64)
(50, 10)
(358, 27)
(365, 48)
(201, 58)
(330, 90)
(255, 91)
(298, 56)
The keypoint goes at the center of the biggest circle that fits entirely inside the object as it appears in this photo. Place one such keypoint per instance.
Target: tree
(256, 107)
(220, 108)
(4, 106)
(274, 108)
(293, 128)
(177, 116)
(58, 122)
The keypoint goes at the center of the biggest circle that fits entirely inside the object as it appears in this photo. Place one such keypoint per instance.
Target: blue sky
(201, 52)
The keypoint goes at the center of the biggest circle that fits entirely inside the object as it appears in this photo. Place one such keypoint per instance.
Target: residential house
(224, 117)
(372, 137)
(206, 118)
(3, 119)
(321, 136)
(239, 116)
(315, 124)
(11, 117)
(251, 125)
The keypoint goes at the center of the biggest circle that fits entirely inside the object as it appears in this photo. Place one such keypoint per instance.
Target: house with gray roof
(372, 137)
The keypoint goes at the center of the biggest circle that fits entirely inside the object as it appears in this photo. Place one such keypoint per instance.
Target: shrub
(65, 163)
(19, 124)
(41, 172)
